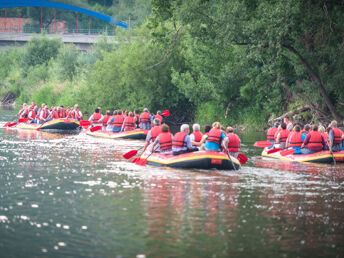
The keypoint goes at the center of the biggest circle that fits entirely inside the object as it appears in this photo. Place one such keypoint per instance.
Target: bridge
(11, 29)
(83, 42)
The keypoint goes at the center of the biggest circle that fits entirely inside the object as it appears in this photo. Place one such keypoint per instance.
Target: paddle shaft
(229, 156)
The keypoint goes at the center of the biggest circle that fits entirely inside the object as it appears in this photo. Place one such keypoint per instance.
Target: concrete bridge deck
(82, 41)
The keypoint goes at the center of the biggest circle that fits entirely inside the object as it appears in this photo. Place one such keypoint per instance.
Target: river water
(75, 196)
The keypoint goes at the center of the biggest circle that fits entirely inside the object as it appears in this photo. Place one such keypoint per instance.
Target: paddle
(262, 144)
(229, 156)
(143, 162)
(135, 160)
(23, 120)
(166, 113)
(288, 152)
(5, 125)
(131, 153)
(242, 158)
(96, 128)
(12, 124)
(85, 123)
(274, 150)
(334, 160)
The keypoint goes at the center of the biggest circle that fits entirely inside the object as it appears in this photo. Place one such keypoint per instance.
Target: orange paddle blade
(262, 144)
(242, 158)
(141, 162)
(130, 154)
(23, 120)
(85, 123)
(135, 160)
(166, 113)
(12, 124)
(287, 152)
(274, 150)
(96, 128)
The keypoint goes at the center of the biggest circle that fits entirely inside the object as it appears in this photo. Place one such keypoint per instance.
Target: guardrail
(35, 29)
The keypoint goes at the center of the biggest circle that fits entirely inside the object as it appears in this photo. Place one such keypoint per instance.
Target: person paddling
(232, 142)
(117, 122)
(314, 142)
(153, 133)
(76, 113)
(270, 135)
(282, 136)
(96, 117)
(163, 141)
(196, 135)
(294, 140)
(335, 137)
(129, 123)
(215, 137)
(181, 141)
(158, 116)
(106, 118)
(145, 119)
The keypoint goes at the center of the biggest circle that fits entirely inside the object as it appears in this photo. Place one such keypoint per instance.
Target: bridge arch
(41, 3)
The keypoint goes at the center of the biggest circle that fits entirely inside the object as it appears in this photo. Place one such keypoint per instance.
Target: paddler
(270, 135)
(196, 135)
(96, 117)
(181, 141)
(232, 142)
(294, 140)
(129, 122)
(111, 121)
(31, 115)
(163, 141)
(145, 120)
(106, 117)
(287, 122)
(282, 136)
(314, 141)
(76, 113)
(159, 116)
(153, 133)
(23, 112)
(117, 122)
(335, 137)
(215, 138)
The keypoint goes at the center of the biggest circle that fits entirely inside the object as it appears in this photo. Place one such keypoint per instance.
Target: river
(75, 196)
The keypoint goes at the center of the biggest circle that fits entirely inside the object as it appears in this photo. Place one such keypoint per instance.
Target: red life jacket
(337, 135)
(315, 141)
(275, 136)
(44, 115)
(96, 117)
(294, 139)
(179, 140)
(234, 142)
(159, 117)
(55, 115)
(24, 113)
(118, 121)
(129, 123)
(198, 136)
(270, 135)
(75, 114)
(215, 136)
(62, 114)
(283, 135)
(325, 136)
(106, 119)
(32, 114)
(155, 131)
(145, 117)
(165, 141)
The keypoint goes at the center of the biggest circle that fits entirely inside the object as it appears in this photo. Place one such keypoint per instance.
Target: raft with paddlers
(138, 134)
(198, 159)
(61, 125)
(317, 157)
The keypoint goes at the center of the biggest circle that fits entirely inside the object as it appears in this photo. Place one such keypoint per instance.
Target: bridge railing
(37, 29)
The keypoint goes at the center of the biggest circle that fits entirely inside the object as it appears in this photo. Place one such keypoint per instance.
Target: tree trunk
(317, 80)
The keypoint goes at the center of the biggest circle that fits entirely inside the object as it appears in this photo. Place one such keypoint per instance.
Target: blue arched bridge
(40, 3)
(14, 35)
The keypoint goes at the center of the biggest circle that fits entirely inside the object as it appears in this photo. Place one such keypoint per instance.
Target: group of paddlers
(215, 137)
(310, 139)
(39, 115)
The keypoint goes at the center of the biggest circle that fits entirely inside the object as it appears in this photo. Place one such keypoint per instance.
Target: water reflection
(77, 196)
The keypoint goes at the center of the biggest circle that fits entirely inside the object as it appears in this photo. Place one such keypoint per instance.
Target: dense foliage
(238, 61)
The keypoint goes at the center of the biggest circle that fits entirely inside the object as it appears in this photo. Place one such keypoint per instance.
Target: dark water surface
(75, 196)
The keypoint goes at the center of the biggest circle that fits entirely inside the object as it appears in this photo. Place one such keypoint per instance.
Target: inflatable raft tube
(138, 134)
(317, 157)
(61, 125)
(198, 159)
